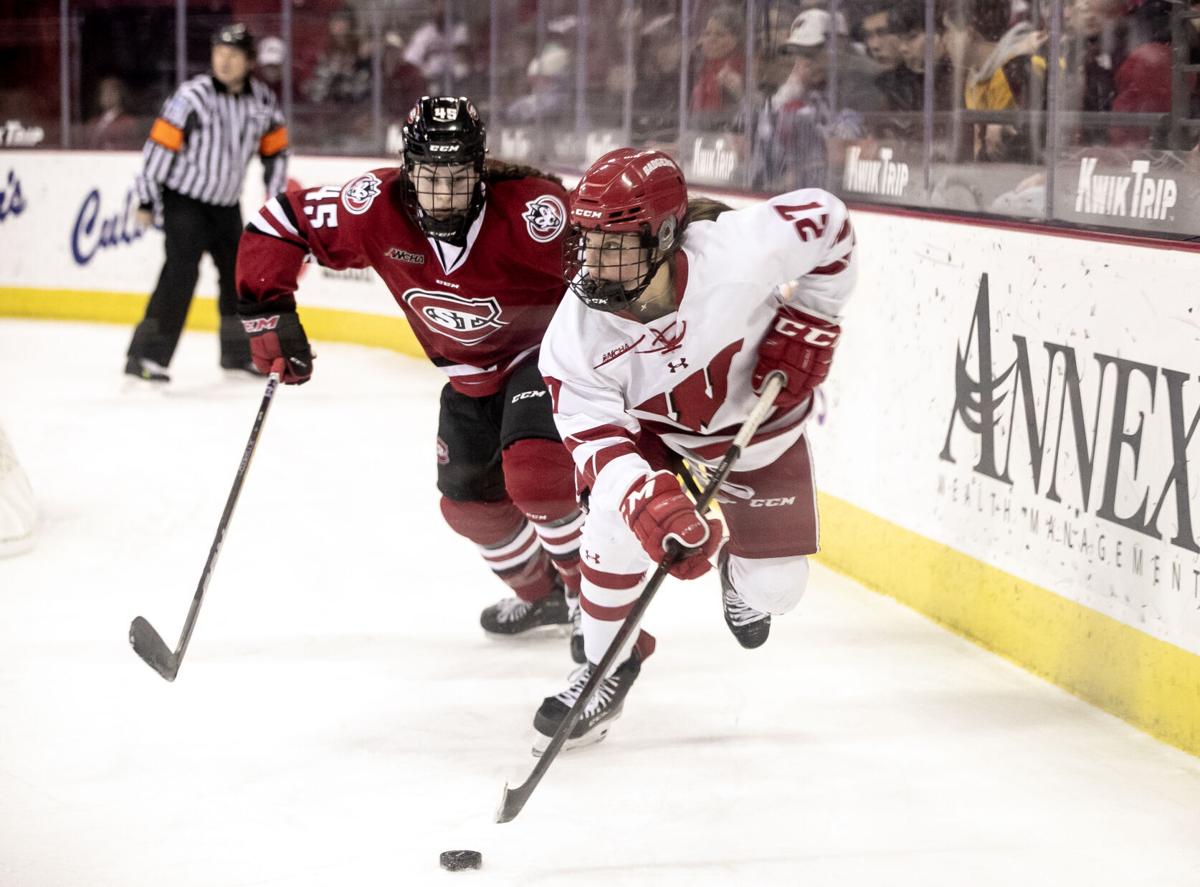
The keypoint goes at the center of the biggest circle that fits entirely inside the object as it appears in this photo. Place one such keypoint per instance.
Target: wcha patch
(358, 194)
(403, 255)
(544, 218)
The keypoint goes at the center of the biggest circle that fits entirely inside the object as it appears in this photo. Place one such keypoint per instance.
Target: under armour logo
(594, 558)
(680, 364)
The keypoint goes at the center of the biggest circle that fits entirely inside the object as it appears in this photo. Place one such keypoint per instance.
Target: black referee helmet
(236, 35)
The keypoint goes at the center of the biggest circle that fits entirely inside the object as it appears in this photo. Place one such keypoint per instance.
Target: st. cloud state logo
(544, 218)
(468, 321)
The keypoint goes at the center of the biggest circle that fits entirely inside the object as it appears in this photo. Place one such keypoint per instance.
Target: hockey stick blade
(150, 646)
(511, 802)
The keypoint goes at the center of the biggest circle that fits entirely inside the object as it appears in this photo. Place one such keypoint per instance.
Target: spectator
(114, 128)
(901, 84)
(808, 44)
(1143, 80)
(1002, 73)
(549, 96)
(403, 82)
(907, 19)
(1088, 82)
(656, 90)
(806, 126)
(436, 50)
(271, 55)
(721, 79)
(882, 43)
(343, 72)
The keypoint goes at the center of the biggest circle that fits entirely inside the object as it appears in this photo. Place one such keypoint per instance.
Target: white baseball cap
(271, 51)
(810, 29)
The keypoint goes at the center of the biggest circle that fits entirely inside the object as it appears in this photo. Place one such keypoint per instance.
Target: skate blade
(541, 632)
(133, 386)
(540, 742)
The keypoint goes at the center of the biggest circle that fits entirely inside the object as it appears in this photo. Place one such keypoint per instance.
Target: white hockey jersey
(685, 377)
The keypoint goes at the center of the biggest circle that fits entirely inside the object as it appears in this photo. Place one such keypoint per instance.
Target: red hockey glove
(279, 335)
(657, 511)
(801, 346)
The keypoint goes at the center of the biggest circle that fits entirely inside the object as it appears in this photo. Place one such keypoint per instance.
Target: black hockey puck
(457, 860)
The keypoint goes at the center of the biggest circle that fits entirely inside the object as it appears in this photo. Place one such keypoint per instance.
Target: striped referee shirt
(202, 142)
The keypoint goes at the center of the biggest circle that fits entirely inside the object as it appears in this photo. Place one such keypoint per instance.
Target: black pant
(473, 432)
(190, 229)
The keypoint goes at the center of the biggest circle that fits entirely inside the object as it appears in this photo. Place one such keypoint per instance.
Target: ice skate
(514, 616)
(577, 654)
(146, 370)
(604, 708)
(748, 625)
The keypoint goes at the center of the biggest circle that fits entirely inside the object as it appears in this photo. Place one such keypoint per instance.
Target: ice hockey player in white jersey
(684, 307)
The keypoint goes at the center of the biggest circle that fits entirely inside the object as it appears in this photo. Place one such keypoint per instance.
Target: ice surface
(340, 719)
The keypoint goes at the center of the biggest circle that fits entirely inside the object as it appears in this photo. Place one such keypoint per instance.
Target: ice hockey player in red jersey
(684, 307)
(472, 252)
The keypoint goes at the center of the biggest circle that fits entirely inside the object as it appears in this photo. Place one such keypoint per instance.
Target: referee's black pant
(190, 229)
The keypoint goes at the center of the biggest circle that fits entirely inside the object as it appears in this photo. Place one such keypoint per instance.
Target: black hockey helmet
(444, 131)
(236, 35)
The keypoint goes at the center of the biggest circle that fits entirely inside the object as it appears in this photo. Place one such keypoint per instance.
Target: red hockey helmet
(627, 191)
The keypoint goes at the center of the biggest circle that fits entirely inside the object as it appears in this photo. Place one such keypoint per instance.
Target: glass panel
(1118, 169)
(124, 69)
(988, 151)
(657, 55)
(1082, 111)
(608, 81)
(513, 136)
(713, 148)
(332, 101)
(30, 105)
(885, 160)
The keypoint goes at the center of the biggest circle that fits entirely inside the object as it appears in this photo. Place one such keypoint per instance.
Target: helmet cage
(619, 285)
(443, 133)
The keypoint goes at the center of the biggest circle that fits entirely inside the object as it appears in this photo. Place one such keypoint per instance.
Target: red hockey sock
(507, 542)
(540, 479)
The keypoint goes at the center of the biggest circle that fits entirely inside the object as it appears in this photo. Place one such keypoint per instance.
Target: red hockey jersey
(477, 310)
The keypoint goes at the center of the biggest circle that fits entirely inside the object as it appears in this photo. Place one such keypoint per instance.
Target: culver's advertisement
(68, 222)
(1032, 402)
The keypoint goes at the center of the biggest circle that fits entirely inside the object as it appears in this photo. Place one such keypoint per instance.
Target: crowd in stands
(789, 87)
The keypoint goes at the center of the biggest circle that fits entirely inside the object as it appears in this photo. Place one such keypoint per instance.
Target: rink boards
(1008, 442)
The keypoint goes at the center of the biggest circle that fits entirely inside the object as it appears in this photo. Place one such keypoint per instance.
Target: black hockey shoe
(749, 626)
(604, 708)
(146, 370)
(513, 616)
(577, 654)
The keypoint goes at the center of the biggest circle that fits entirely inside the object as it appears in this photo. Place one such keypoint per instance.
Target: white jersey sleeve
(590, 412)
(802, 242)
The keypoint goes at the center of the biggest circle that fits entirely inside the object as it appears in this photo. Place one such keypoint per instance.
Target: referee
(194, 165)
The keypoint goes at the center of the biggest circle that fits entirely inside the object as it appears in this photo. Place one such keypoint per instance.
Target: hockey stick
(147, 642)
(513, 800)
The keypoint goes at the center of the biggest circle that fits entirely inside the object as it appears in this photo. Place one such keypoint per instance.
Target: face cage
(450, 225)
(597, 292)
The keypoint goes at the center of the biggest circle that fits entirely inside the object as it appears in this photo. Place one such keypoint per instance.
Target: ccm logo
(587, 213)
(772, 503)
(525, 394)
(258, 324)
(444, 148)
(811, 335)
